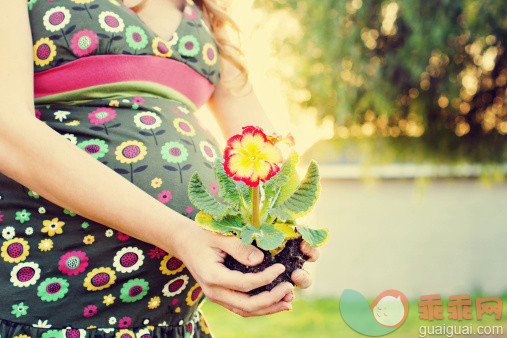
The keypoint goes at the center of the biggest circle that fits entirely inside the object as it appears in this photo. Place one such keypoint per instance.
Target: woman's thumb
(245, 254)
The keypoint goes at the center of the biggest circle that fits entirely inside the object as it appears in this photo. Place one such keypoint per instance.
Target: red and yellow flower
(251, 157)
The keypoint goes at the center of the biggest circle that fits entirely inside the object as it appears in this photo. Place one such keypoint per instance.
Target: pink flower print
(214, 188)
(73, 263)
(84, 42)
(189, 210)
(102, 115)
(1, 216)
(90, 311)
(189, 12)
(175, 301)
(165, 196)
(37, 113)
(122, 237)
(156, 253)
(138, 100)
(124, 322)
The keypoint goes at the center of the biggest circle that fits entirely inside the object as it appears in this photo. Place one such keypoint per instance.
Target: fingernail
(255, 256)
(290, 297)
(306, 246)
(281, 268)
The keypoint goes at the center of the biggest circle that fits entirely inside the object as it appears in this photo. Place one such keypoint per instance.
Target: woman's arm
(232, 112)
(41, 159)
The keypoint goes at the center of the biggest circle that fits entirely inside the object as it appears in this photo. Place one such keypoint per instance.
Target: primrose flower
(250, 157)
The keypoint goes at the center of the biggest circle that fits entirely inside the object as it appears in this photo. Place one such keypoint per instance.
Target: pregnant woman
(98, 141)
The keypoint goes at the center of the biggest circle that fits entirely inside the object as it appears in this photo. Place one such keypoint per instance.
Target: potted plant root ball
(261, 199)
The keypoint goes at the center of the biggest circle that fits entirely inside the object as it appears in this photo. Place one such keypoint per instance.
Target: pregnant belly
(155, 143)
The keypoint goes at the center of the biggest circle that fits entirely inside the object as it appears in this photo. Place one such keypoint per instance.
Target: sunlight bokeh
(258, 30)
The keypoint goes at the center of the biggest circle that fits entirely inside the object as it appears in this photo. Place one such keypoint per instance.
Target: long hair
(222, 25)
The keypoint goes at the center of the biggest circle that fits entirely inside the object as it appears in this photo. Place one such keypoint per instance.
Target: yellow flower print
(114, 103)
(22, 336)
(91, 327)
(15, 250)
(130, 151)
(184, 127)
(45, 245)
(99, 278)
(73, 123)
(204, 325)
(154, 302)
(44, 51)
(171, 265)
(161, 48)
(109, 299)
(209, 54)
(53, 226)
(194, 294)
(89, 239)
(124, 334)
(156, 182)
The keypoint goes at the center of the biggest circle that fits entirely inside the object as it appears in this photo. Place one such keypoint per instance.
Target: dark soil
(291, 256)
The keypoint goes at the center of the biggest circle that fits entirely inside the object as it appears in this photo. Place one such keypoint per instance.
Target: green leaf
(302, 199)
(288, 181)
(283, 175)
(314, 237)
(228, 189)
(204, 201)
(245, 191)
(225, 226)
(248, 233)
(269, 237)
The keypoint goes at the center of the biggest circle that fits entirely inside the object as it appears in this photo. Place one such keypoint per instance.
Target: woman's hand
(301, 277)
(203, 253)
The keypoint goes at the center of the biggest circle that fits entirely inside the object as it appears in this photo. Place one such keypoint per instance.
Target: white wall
(449, 237)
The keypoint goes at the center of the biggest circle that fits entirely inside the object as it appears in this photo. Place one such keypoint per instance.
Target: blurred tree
(426, 78)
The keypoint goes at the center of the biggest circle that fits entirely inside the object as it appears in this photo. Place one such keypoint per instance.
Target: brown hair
(222, 25)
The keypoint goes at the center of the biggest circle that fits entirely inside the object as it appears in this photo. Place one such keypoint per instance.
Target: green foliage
(285, 198)
(302, 199)
(314, 237)
(204, 201)
(227, 187)
(427, 76)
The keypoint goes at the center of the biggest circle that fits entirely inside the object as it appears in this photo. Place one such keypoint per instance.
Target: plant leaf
(248, 234)
(269, 237)
(204, 201)
(288, 180)
(314, 237)
(287, 230)
(228, 189)
(303, 199)
(245, 191)
(225, 226)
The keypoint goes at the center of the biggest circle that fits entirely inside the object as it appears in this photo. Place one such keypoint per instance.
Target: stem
(255, 204)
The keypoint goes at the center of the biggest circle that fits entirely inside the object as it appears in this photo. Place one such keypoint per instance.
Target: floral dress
(114, 89)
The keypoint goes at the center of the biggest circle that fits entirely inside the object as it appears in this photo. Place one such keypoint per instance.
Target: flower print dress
(113, 88)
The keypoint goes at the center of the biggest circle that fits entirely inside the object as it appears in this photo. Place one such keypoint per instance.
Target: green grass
(321, 318)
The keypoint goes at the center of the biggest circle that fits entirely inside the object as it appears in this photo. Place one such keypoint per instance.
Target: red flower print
(165, 196)
(122, 236)
(73, 262)
(84, 42)
(37, 113)
(156, 253)
(90, 311)
(102, 115)
(214, 188)
(138, 100)
(124, 322)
